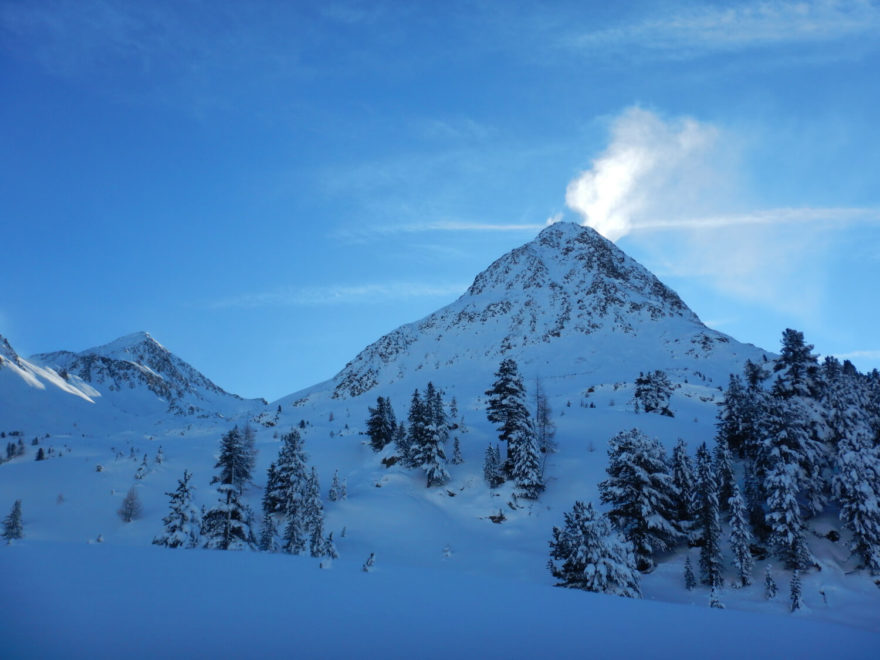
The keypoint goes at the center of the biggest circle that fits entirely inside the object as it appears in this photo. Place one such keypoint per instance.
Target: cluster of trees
(806, 435)
(652, 393)
(523, 439)
(423, 443)
(794, 438)
(293, 514)
(14, 449)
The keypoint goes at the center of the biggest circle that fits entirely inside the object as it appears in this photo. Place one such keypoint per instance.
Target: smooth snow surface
(100, 601)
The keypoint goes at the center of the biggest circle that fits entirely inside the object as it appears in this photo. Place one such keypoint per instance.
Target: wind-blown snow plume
(648, 163)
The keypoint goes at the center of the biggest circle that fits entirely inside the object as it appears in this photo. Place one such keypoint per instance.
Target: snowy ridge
(567, 291)
(137, 362)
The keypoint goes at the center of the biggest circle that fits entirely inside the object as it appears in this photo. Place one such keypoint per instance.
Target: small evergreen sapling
(131, 506)
(183, 522)
(369, 563)
(12, 525)
(740, 538)
(795, 595)
(769, 584)
(586, 554)
(492, 469)
(714, 601)
(457, 458)
(690, 580)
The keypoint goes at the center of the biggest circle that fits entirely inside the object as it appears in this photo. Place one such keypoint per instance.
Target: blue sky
(268, 187)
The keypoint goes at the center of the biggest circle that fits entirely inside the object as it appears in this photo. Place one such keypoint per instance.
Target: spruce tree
(740, 538)
(314, 515)
(722, 464)
(428, 444)
(12, 525)
(795, 594)
(769, 584)
(545, 429)
(183, 522)
(857, 488)
(287, 475)
(640, 491)
(236, 459)
(684, 485)
(506, 409)
(381, 424)
(652, 393)
(690, 580)
(268, 534)
(783, 511)
(131, 506)
(526, 470)
(708, 520)
(586, 554)
(457, 458)
(492, 469)
(335, 492)
(227, 525)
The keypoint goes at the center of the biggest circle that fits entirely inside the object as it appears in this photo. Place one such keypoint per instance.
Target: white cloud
(341, 295)
(695, 30)
(650, 166)
(856, 355)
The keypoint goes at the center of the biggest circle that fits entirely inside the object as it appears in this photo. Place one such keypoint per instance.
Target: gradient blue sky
(268, 187)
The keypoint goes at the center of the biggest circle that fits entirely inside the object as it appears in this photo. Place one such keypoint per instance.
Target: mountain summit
(139, 363)
(566, 295)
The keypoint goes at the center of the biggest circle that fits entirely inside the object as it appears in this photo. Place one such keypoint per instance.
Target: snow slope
(230, 605)
(575, 312)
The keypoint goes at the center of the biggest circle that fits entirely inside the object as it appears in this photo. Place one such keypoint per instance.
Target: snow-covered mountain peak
(589, 269)
(569, 294)
(138, 362)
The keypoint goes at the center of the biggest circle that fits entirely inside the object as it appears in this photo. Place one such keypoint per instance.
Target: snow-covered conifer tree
(690, 580)
(381, 424)
(740, 537)
(545, 428)
(769, 584)
(131, 506)
(640, 491)
(335, 492)
(722, 464)
(428, 446)
(314, 515)
(684, 486)
(492, 469)
(236, 458)
(457, 458)
(586, 554)
(183, 522)
(795, 593)
(506, 408)
(268, 534)
(652, 393)
(714, 601)
(12, 525)
(857, 488)
(708, 520)
(526, 469)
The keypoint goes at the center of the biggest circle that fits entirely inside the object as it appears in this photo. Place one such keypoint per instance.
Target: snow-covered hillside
(577, 314)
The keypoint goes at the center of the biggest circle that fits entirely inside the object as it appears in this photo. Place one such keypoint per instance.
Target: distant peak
(127, 343)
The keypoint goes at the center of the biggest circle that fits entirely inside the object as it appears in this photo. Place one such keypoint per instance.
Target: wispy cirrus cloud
(694, 30)
(339, 294)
